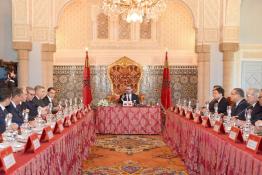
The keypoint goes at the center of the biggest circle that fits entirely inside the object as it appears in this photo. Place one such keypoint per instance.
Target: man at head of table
(129, 96)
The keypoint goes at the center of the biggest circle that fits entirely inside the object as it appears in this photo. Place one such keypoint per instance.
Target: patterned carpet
(132, 155)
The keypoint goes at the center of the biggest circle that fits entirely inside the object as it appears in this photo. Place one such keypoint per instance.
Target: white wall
(251, 22)
(6, 50)
(249, 58)
(35, 73)
(216, 66)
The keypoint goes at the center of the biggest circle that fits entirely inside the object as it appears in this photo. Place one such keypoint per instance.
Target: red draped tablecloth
(63, 154)
(207, 152)
(128, 120)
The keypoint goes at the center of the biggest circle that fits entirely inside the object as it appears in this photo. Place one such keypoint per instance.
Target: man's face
(12, 74)
(23, 95)
(51, 93)
(260, 98)
(128, 90)
(234, 96)
(30, 95)
(251, 98)
(40, 93)
(216, 95)
(7, 101)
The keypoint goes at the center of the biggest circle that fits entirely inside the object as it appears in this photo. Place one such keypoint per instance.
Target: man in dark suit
(240, 106)
(13, 107)
(49, 99)
(213, 101)
(50, 96)
(39, 95)
(218, 94)
(129, 96)
(30, 105)
(11, 79)
(257, 119)
(254, 98)
(5, 96)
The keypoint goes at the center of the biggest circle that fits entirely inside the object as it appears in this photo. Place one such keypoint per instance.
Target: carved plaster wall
(36, 20)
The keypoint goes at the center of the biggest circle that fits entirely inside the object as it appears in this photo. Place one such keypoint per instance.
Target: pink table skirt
(206, 152)
(128, 120)
(63, 154)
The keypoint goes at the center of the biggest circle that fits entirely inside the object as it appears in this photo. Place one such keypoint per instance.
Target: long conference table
(63, 154)
(207, 152)
(128, 120)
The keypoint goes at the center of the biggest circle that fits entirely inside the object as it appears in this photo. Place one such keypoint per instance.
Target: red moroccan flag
(166, 88)
(87, 95)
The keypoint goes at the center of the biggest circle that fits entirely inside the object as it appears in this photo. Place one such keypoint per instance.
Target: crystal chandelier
(134, 10)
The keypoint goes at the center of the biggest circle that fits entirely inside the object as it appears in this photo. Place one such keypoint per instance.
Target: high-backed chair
(122, 73)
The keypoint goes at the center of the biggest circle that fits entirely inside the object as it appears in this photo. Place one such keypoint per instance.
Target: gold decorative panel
(102, 26)
(145, 30)
(124, 29)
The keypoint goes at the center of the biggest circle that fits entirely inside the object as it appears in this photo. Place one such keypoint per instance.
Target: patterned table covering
(63, 154)
(128, 120)
(207, 152)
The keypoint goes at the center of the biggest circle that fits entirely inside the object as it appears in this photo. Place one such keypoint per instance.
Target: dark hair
(17, 92)
(240, 92)
(4, 94)
(217, 86)
(220, 90)
(10, 70)
(51, 88)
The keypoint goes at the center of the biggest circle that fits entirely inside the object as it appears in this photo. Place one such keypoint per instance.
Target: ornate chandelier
(134, 10)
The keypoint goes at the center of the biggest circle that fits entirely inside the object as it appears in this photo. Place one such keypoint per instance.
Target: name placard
(32, 143)
(47, 134)
(73, 118)
(219, 127)
(59, 127)
(206, 122)
(254, 143)
(177, 111)
(189, 115)
(197, 118)
(7, 159)
(182, 112)
(1, 138)
(79, 114)
(235, 134)
(67, 121)
(127, 103)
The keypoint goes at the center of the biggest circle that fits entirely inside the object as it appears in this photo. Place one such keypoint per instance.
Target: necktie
(5, 112)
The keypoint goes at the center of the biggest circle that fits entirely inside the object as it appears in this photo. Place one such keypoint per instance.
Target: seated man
(30, 105)
(5, 96)
(13, 107)
(129, 96)
(257, 114)
(254, 99)
(213, 101)
(49, 99)
(39, 95)
(238, 110)
(218, 94)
